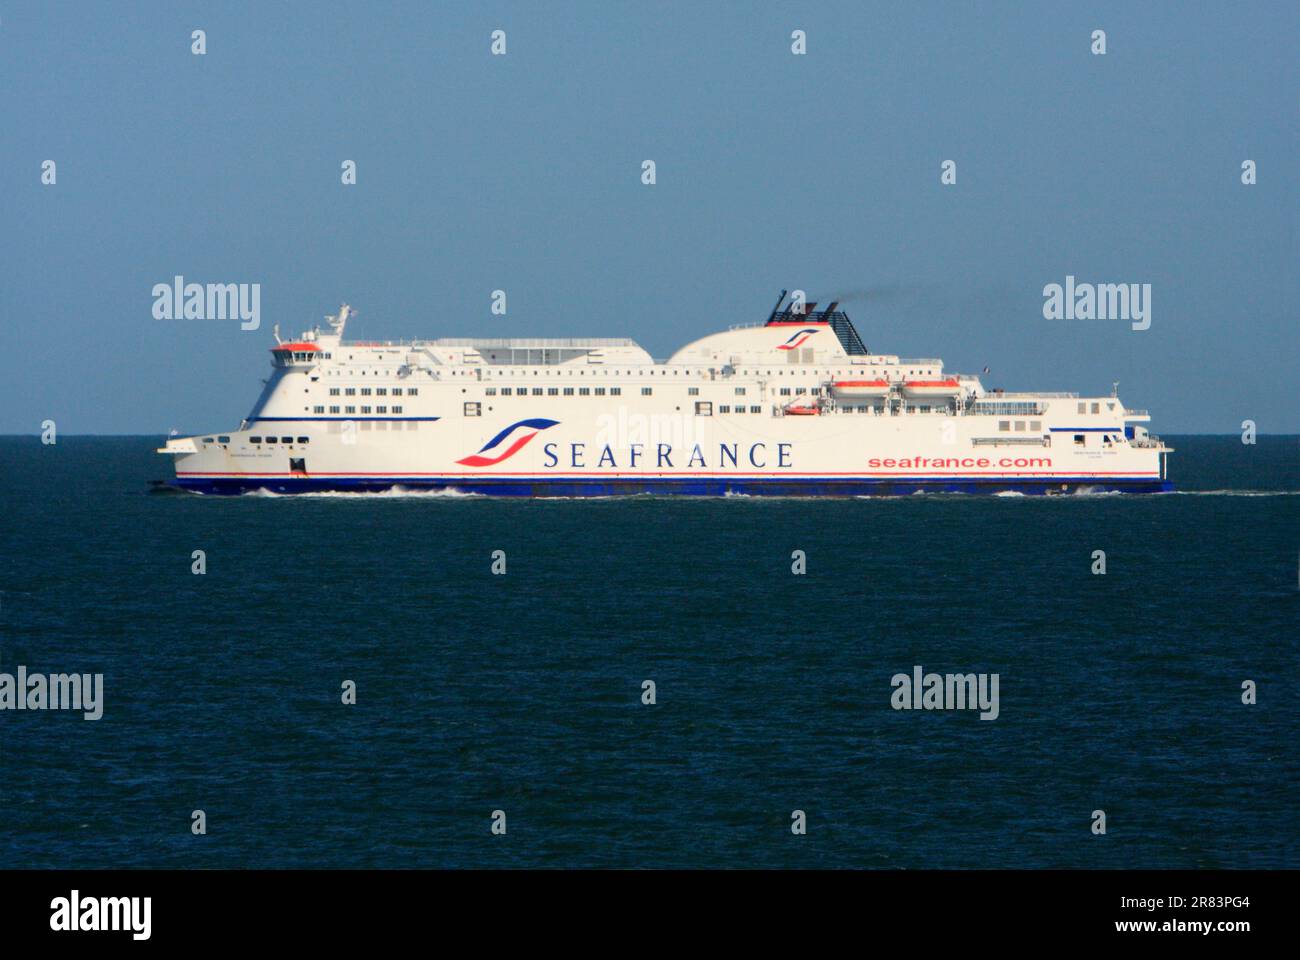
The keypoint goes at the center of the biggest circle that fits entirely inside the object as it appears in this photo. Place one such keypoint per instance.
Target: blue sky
(522, 173)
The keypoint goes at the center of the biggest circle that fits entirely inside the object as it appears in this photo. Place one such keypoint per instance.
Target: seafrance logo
(797, 338)
(523, 431)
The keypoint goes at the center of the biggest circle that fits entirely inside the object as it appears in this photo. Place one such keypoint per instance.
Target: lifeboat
(931, 388)
(798, 409)
(855, 389)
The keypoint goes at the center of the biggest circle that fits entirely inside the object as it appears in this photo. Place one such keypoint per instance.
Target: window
(1004, 425)
(1096, 408)
(270, 439)
(1083, 408)
(349, 409)
(397, 409)
(703, 408)
(254, 439)
(412, 391)
(365, 391)
(223, 439)
(1079, 440)
(490, 391)
(317, 409)
(600, 391)
(646, 391)
(397, 391)
(724, 409)
(755, 409)
(693, 391)
(1020, 426)
(334, 409)
(552, 391)
(350, 392)
(381, 409)
(784, 391)
(304, 439)
(584, 391)
(615, 391)
(381, 391)
(537, 391)
(334, 391)
(1036, 426)
(740, 391)
(472, 409)
(568, 391)
(505, 391)
(365, 409)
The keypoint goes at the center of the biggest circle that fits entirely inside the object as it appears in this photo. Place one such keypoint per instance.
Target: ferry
(794, 406)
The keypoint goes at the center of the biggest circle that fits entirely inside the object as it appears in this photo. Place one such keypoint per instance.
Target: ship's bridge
(298, 354)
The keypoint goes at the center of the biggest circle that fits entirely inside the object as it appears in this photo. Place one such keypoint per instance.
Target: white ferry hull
(600, 418)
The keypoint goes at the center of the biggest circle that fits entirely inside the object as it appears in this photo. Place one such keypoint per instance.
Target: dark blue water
(523, 692)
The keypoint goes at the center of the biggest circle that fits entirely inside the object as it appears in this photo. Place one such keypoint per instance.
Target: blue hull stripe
(686, 486)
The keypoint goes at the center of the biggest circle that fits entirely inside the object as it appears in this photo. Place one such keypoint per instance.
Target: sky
(523, 173)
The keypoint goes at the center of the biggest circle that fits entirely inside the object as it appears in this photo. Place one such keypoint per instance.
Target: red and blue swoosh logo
(797, 338)
(519, 434)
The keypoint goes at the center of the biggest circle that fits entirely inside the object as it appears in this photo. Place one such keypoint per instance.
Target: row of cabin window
(379, 391)
(350, 409)
(1034, 426)
(282, 440)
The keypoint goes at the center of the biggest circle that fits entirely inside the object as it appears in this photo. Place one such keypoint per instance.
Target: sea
(647, 682)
